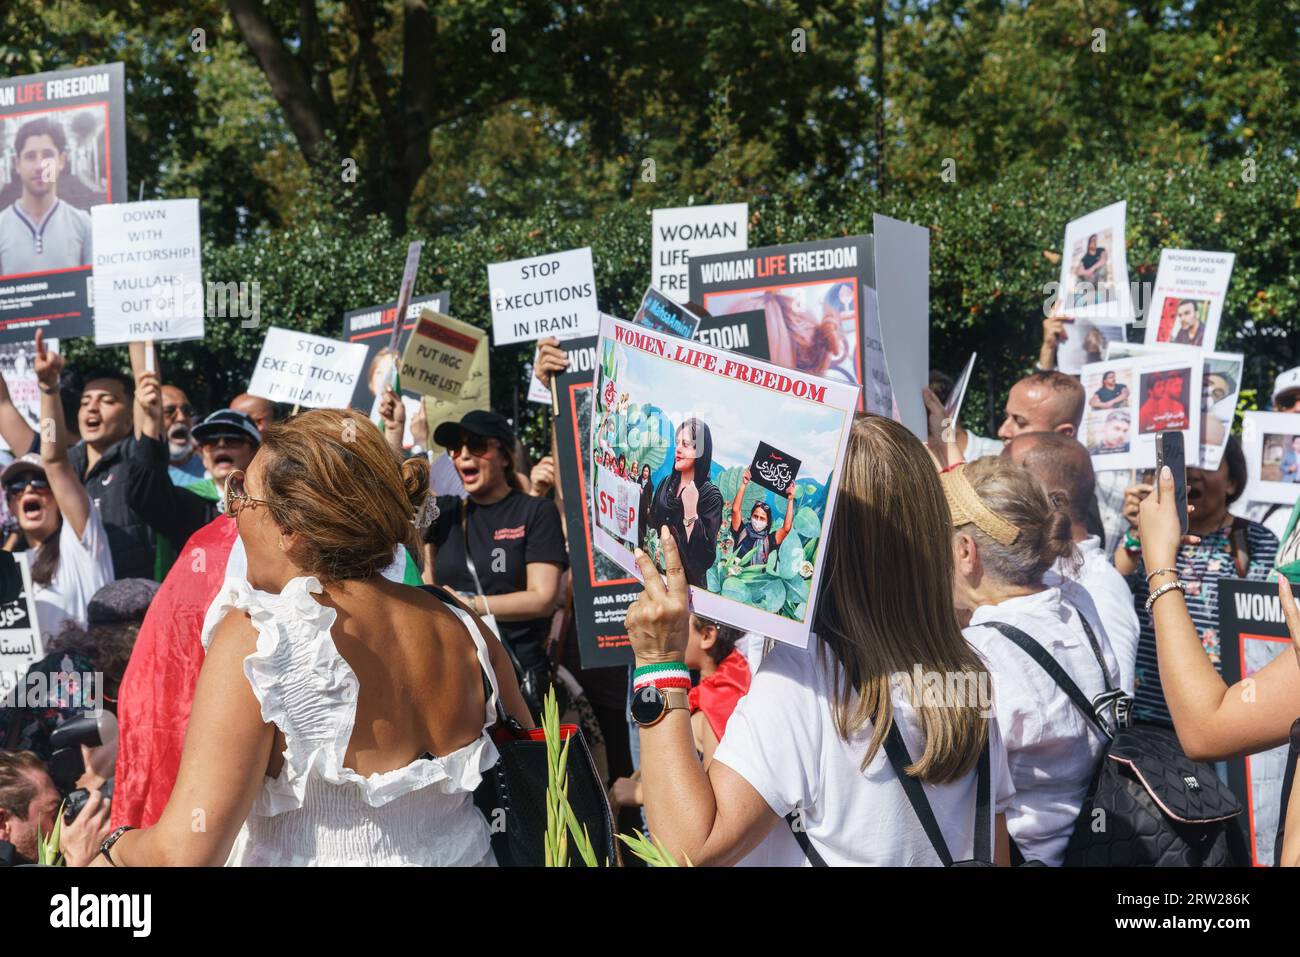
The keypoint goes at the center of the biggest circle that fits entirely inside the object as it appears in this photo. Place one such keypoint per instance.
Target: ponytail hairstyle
(1013, 494)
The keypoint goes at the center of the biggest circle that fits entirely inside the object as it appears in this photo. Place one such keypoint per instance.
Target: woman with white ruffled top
(340, 718)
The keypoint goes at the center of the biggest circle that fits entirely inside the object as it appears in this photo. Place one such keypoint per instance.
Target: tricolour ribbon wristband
(669, 674)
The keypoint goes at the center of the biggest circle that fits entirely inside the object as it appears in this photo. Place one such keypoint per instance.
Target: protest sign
(20, 378)
(661, 314)
(952, 408)
(1252, 632)
(439, 355)
(684, 232)
(373, 327)
(406, 289)
(773, 469)
(306, 370)
(707, 410)
(1168, 400)
(549, 295)
(148, 277)
(475, 394)
(1109, 410)
(1271, 442)
(811, 294)
(1129, 400)
(20, 636)
(66, 139)
(902, 281)
(1220, 385)
(1093, 291)
(602, 590)
(1187, 300)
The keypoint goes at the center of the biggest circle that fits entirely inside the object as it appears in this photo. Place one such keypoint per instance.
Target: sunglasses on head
(237, 494)
(18, 486)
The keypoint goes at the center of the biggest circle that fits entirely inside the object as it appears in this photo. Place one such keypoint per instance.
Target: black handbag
(1148, 804)
(512, 796)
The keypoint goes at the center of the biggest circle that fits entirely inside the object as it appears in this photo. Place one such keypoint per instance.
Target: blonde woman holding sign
(835, 737)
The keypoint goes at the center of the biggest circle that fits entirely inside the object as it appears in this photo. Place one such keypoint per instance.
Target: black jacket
(170, 510)
(109, 484)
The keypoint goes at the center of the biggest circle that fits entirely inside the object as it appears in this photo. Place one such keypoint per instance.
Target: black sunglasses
(477, 444)
(18, 486)
(173, 409)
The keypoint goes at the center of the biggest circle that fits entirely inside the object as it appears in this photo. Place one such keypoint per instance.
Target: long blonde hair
(886, 601)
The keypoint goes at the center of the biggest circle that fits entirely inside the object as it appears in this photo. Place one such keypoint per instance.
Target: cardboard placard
(602, 590)
(148, 272)
(662, 314)
(439, 355)
(1187, 299)
(707, 409)
(21, 645)
(1252, 632)
(65, 134)
(682, 233)
(549, 295)
(1271, 443)
(306, 370)
(1093, 291)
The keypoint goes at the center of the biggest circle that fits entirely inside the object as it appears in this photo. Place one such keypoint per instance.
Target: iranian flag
(158, 688)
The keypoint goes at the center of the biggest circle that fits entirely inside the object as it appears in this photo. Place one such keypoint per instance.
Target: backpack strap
(896, 751)
(1049, 664)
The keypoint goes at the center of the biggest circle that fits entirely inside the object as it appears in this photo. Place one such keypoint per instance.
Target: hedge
(988, 267)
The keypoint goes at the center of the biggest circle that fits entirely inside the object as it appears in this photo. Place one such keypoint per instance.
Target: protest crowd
(783, 605)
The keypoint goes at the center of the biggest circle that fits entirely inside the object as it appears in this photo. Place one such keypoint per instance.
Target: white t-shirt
(782, 740)
(979, 447)
(1052, 748)
(85, 566)
(1106, 599)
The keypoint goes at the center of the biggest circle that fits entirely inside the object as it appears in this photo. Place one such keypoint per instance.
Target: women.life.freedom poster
(603, 591)
(1093, 291)
(820, 304)
(753, 558)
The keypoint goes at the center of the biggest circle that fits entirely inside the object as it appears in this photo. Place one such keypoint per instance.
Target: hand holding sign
(658, 623)
(773, 469)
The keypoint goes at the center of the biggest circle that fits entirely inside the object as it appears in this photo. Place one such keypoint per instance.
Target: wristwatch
(650, 704)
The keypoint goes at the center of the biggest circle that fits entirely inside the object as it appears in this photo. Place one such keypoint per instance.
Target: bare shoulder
(234, 635)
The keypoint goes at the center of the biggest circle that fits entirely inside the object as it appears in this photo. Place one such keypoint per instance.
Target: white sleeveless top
(318, 812)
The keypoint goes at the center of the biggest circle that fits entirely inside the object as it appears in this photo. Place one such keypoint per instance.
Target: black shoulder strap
(896, 751)
(801, 838)
(1049, 664)
(503, 718)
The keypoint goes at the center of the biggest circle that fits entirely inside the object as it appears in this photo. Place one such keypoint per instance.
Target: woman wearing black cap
(63, 532)
(516, 553)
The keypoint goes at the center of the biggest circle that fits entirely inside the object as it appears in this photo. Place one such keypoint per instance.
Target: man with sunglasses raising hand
(64, 535)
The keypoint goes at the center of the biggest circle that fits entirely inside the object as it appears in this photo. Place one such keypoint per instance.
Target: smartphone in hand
(1169, 451)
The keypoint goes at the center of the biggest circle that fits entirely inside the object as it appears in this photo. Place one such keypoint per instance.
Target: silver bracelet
(1167, 587)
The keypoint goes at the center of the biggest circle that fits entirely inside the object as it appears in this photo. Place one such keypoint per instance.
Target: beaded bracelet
(1167, 587)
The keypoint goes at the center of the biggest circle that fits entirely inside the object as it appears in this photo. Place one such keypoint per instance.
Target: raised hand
(48, 364)
(658, 622)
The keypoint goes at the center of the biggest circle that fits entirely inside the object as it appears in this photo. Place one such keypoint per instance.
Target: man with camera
(29, 802)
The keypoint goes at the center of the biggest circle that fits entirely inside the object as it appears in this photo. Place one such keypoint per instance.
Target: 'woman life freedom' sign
(148, 278)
